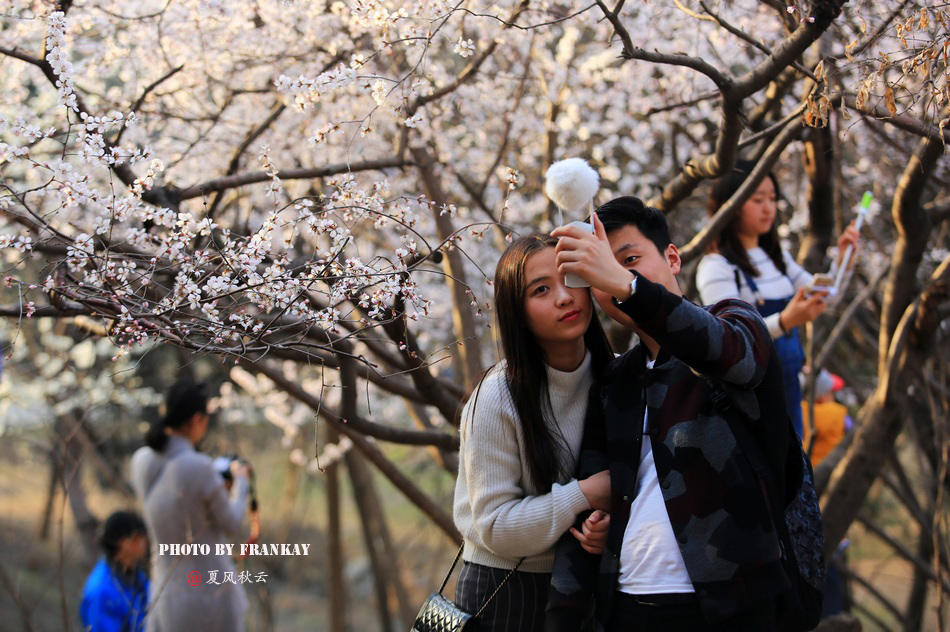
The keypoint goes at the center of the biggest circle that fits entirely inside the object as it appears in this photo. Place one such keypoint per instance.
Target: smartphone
(572, 280)
(821, 283)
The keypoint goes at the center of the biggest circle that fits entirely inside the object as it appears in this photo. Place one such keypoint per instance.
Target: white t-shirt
(650, 558)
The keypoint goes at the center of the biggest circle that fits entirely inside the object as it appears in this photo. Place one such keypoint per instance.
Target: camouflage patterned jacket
(715, 502)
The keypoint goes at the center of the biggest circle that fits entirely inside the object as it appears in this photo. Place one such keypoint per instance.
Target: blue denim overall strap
(789, 349)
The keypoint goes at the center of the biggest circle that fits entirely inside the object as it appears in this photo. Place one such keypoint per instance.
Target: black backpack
(792, 499)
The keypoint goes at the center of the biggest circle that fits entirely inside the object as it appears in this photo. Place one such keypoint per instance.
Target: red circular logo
(194, 578)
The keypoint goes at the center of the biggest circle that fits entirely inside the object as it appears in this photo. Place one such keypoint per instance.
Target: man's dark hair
(118, 526)
(631, 211)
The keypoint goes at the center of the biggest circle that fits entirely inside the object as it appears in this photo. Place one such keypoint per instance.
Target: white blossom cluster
(58, 59)
(119, 172)
(308, 91)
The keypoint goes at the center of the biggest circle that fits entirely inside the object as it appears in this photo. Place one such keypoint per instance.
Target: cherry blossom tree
(315, 193)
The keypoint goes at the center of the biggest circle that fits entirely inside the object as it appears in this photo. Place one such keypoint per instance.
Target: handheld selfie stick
(863, 209)
(572, 184)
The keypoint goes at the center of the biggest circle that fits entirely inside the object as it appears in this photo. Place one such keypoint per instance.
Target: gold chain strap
(492, 596)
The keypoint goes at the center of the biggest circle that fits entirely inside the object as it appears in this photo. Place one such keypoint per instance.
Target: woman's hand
(239, 470)
(802, 309)
(593, 534)
(848, 238)
(596, 490)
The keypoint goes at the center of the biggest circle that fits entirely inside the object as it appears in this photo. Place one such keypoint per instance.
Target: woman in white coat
(186, 503)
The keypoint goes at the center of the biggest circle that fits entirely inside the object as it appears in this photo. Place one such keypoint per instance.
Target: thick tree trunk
(463, 317)
(72, 453)
(818, 159)
(389, 586)
(917, 601)
(904, 348)
(336, 592)
(368, 504)
(882, 415)
(55, 472)
(913, 227)
(390, 592)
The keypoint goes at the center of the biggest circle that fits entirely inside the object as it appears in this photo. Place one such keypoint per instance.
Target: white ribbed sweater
(498, 512)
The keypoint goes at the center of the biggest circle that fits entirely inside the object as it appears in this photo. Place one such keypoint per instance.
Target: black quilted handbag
(440, 614)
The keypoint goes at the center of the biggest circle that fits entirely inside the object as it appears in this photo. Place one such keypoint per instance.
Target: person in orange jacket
(832, 420)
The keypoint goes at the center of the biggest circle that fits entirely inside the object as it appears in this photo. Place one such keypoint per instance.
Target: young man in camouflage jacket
(689, 542)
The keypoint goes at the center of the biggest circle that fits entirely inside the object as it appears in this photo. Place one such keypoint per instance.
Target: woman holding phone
(747, 261)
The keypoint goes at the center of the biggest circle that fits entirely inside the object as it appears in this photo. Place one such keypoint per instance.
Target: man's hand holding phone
(588, 255)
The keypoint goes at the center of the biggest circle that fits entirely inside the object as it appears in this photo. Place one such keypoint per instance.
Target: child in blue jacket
(115, 596)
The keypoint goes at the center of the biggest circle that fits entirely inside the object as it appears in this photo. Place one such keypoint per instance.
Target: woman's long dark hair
(728, 244)
(185, 398)
(527, 379)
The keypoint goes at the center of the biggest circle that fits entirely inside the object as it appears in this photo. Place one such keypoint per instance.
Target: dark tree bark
(913, 229)
(463, 317)
(917, 600)
(389, 586)
(336, 589)
(364, 493)
(72, 451)
(55, 473)
(882, 415)
(818, 159)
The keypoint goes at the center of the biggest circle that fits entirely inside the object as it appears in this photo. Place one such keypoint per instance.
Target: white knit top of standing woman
(499, 509)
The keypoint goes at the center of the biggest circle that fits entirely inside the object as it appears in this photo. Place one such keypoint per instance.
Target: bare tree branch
(865, 584)
(901, 121)
(354, 424)
(22, 607)
(512, 24)
(468, 72)
(148, 89)
(824, 13)
(899, 548)
(733, 92)
(870, 290)
(913, 232)
(676, 59)
(355, 433)
(462, 317)
(252, 177)
(745, 37)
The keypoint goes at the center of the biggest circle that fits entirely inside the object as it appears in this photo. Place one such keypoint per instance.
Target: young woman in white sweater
(747, 261)
(520, 437)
